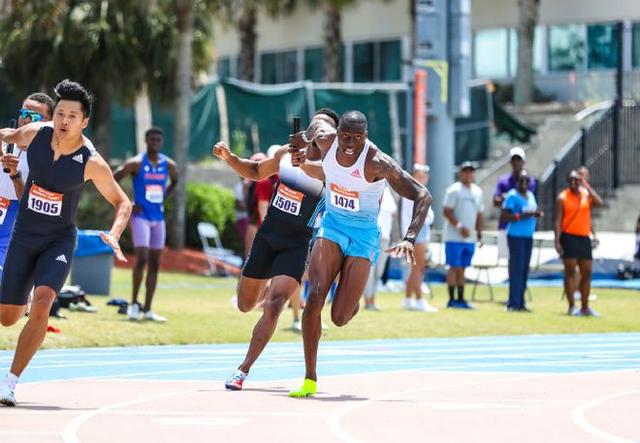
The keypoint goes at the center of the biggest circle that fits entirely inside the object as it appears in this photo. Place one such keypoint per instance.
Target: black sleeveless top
(53, 188)
(296, 201)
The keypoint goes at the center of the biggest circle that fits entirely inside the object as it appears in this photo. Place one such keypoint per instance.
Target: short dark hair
(43, 98)
(354, 117)
(154, 130)
(333, 115)
(73, 91)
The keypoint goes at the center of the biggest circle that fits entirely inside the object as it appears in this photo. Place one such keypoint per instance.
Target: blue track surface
(541, 354)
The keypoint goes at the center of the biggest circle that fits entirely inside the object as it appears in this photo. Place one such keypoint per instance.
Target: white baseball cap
(517, 151)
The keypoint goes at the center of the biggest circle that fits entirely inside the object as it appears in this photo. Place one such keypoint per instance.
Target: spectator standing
(414, 281)
(388, 208)
(572, 236)
(520, 211)
(506, 183)
(463, 208)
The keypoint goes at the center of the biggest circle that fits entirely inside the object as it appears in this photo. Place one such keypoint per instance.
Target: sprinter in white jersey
(355, 172)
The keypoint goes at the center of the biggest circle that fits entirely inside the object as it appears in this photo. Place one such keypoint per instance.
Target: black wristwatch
(17, 176)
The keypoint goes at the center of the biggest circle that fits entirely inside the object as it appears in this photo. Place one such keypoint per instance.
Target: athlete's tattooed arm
(22, 137)
(253, 170)
(100, 174)
(380, 167)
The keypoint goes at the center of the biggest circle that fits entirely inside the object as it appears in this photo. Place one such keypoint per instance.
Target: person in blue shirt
(520, 212)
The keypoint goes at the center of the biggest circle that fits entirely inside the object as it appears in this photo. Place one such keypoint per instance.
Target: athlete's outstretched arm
(318, 137)
(404, 184)
(253, 170)
(22, 137)
(99, 173)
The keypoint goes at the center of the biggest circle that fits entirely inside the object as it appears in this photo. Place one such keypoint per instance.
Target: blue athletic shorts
(354, 242)
(459, 254)
(6, 227)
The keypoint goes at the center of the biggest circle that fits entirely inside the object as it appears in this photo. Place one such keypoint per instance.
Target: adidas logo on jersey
(356, 174)
(78, 158)
(61, 258)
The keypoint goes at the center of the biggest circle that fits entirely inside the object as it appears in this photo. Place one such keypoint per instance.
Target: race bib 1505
(44, 202)
(288, 200)
(344, 198)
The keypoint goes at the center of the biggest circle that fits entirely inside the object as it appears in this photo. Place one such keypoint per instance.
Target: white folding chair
(217, 256)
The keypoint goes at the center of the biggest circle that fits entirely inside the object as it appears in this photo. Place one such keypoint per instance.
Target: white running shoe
(234, 383)
(149, 315)
(324, 326)
(409, 304)
(424, 306)
(426, 290)
(7, 397)
(133, 311)
(296, 326)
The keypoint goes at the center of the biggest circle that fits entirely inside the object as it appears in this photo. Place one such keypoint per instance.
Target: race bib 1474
(44, 202)
(344, 198)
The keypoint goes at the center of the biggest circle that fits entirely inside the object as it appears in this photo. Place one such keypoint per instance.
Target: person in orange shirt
(573, 242)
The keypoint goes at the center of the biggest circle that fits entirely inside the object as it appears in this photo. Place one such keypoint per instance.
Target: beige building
(574, 51)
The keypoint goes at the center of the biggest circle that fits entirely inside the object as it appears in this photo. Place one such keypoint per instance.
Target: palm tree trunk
(102, 121)
(332, 43)
(183, 119)
(247, 30)
(528, 19)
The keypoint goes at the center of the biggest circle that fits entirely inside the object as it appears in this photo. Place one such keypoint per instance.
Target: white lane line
(335, 425)
(29, 433)
(579, 419)
(490, 342)
(70, 430)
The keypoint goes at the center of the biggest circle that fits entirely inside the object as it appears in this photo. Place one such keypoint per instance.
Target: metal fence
(609, 147)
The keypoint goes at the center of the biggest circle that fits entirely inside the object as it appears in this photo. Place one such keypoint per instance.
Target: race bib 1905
(344, 198)
(44, 202)
(154, 193)
(288, 200)
(4, 208)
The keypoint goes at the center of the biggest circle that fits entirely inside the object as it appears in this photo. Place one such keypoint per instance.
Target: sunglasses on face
(33, 115)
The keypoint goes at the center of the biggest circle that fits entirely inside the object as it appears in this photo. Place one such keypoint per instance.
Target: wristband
(410, 240)
(18, 175)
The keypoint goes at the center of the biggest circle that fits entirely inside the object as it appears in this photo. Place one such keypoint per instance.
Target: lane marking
(578, 417)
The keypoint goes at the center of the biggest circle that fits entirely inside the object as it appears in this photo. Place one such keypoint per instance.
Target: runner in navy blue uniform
(44, 238)
(280, 248)
(154, 176)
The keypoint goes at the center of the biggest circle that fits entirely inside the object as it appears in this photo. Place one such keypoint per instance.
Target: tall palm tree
(528, 13)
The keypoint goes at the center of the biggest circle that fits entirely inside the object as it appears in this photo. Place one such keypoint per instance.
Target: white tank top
(350, 198)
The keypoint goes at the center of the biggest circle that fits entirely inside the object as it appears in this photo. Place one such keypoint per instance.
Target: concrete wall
(367, 20)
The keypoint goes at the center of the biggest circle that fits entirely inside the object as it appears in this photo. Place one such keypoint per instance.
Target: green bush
(205, 202)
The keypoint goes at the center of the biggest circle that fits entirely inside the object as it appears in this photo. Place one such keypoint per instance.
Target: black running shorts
(36, 260)
(274, 254)
(575, 246)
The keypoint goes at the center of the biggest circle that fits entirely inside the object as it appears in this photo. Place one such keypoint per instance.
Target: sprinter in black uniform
(280, 248)
(60, 161)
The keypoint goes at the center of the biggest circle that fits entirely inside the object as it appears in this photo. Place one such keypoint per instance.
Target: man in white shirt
(463, 208)
(388, 208)
(35, 108)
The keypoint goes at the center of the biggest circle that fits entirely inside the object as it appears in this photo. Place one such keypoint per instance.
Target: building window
(391, 61)
(635, 45)
(313, 64)
(377, 61)
(224, 67)
(603, 51)
(491, 53)
(279, 67)
(567, 48)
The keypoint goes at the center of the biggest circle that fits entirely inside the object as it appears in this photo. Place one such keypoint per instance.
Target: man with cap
(506, 183)
(463, 208)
